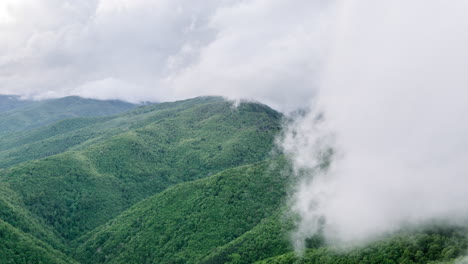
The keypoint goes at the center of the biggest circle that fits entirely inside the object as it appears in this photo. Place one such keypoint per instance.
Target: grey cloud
(57, 47)
(265, 50)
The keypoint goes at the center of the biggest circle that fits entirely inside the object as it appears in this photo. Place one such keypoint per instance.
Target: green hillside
(48, 140)
(433, 245)
(17, 247)
(188, 221)
(13, 212)
(268, 238)
(193, 181)
(34, 114)
(162, 145)
(72, 133)
(25, 239)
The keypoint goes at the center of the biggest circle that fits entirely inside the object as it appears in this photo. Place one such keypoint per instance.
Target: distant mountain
(20, 115)
(10, 102)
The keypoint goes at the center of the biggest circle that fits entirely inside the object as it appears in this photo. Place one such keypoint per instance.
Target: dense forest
(193, 181)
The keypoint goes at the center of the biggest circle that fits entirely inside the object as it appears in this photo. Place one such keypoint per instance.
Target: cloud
(394, 97)
(266, 50)
(257, 49)
(101, 89)
(55, 47)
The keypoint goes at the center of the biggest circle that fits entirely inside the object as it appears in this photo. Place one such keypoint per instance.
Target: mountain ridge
(33, 114)
(172, 146)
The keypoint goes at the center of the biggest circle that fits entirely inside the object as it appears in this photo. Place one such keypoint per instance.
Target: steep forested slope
(23, 238)
(433, 245)
(18, 247)
(160, 146)
(186, 222)
(13, 212)
(269, 238)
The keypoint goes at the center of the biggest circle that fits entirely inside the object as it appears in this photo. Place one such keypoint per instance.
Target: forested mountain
(188, 221)
(17, 115)
(10, 102)
(430, 245)
(193, 181)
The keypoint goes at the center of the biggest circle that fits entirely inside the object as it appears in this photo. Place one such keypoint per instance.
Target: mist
(394, 98)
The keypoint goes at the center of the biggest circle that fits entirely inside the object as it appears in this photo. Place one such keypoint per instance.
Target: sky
(388, 78)
(161, 50)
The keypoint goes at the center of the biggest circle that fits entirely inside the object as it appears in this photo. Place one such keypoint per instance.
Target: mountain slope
(13, 212)
(432, 245)
(47, 140)
(77, 133)
(23, 238)
(41, 113)
(268, 238)
(186, 222)
(16, 247)
(158, 146)
(70, 133)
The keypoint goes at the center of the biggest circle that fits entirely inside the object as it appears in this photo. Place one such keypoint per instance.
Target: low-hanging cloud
(395, 100)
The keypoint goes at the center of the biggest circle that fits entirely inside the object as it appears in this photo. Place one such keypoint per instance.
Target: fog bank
(395, 102)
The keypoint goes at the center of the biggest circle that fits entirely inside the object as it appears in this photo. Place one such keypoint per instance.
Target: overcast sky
(161, 49)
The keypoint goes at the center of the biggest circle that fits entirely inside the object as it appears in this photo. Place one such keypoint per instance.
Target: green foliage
(433, 245)
(48, 140)
(268, 238)
(16, 247)
(188, 221)
(13, 212)
(76, 191)
(79, 133)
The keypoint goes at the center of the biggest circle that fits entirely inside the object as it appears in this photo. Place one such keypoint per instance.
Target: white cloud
(394, 96)
(111, 88)
(266, 50)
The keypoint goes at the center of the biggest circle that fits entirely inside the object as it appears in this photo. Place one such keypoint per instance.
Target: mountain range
(192, 181)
